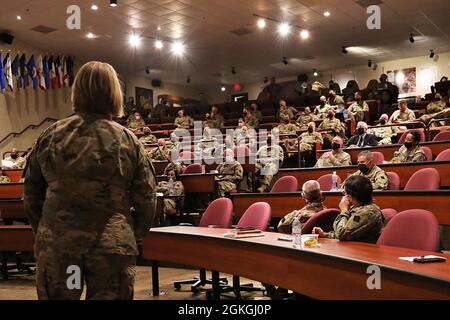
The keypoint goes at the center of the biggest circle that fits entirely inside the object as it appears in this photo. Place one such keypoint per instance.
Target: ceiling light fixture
(261, 23)
(411, 38)
(113, 3)
(178, 48)
(284, 29)
(134, 40)
(304, 34)
(344, 50)
(19, 17)
(94, 7)
(90, 35)
(431, 53)
(159, 28)
(223, 88)
(327, 13)
(315, 73)
(159, 44)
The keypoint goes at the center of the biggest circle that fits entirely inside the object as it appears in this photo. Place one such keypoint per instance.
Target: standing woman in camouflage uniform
(83, 177)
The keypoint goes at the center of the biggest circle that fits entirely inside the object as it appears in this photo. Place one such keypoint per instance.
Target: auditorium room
(237, 150)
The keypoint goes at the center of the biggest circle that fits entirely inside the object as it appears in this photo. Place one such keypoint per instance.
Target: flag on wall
(24, 71)
(31, 68)
(53, 78)
(58, 71)
(2, 75)
(15, 68)
(46, 72)
(65, 75)
(69, 66)
(40, 73)
(8, 72)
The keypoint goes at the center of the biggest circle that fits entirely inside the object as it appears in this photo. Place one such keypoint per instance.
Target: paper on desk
(8, 164)
(411, 259)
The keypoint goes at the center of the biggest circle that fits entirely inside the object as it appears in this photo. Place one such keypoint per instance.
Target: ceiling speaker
(156, 83)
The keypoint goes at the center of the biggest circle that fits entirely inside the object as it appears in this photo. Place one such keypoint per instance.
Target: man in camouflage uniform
(250, 120)
(135, 122)
(403, 114)
(368, 169)
(230, 173)
(321, 111)
(255, 111)
(410, 151)
(182, 121)
(359, 108)
(385, 133)
(216, 118)
(291, 112)
(83, 176)
(286, 127)
(335, 158)
(15, 159)
(306, 117)
(4, 179)
(269, 159)
(172, 187)
(160, 153)
(333, 124)
(360, 219)
(314, 203)
(335, 101)
(307, 140)
(148, 137)
(436, 106)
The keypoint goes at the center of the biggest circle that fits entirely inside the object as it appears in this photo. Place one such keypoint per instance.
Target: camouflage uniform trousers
(265, 173)
(224, 186)
(107, 276)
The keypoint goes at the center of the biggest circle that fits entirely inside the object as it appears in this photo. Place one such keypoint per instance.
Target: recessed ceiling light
(113, 3)
(134, 40)
(284, 29)
(177, 48)
(19, 17)
(159, 28)
(223, 88)
(261, 23)
(327, 13)
(159, 44)
(90, 35)
(315, 73)
(94, 7)
(304, 34)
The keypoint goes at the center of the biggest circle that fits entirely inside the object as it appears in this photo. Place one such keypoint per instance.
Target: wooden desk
(388, 150)
(336, 270)
(16, 238)
(12, 209)
(13, 175)
(404, 171)
(159, 167)
(283, 203)
(11, 191)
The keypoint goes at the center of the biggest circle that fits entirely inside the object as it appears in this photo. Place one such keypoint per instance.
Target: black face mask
(335, 146)
(363, 168)
(286, 121)
(310, 130)
(408, 145)
(382, 122)
(360, 131)
(330, 116)
(322, 103)
(14, 156)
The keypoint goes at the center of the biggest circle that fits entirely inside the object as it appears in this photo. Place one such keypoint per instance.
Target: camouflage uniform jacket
(83, 176)
(285, 225)
(322, 111)
(18, 163)
(311, 138)
(287, 128)
(304, 119)
(160, 154)
(358, 109)
(339, 160)
(134, 124)
(398, 115)
(377, 176)
(332, 124)
(415, 155)
(289, 111)
(173, 166)
(436, 106)
(251, 121)
(385, 133)
(163, 187)
(258, 115)
(226, 170)
(4, 179)
(148, 139)
(359, 223)
(184, 123)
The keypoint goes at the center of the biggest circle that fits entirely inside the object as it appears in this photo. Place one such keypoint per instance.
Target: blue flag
(32, 71)
(15, 67)
(8, 72)
(46, 72)
(24, 71)
(2, 75)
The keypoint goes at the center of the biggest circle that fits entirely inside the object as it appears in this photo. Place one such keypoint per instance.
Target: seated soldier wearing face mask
(230, 173)
(306, 117)
(359, 108)
(15, 160)
(360, 219)
(269, 158)
(4, 179)
(362, 138)
(307, 140)
(286, 127)
(385, 133)
(172, 187)
(321, 111)
(332, 124)
(410, 151)
(135, 122)
(161, 153)
(335, 158)
(148, 137)
(368, 169)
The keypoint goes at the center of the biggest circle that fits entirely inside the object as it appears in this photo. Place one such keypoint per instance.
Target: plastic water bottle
(297, 232)
(171, 187)
(334, 182)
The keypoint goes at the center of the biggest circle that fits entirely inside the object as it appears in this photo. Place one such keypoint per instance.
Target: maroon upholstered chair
(326, 182)
(219, 214)
(378, 158)
(394, 181)
(444, 156)
(442, 136)
(323, 219)
(424, 179)
(428, 153)
(285, 184)
(193, 168)
(242, 150)
(415, 229)
(257, 216)
(388, 214)
(403, 137)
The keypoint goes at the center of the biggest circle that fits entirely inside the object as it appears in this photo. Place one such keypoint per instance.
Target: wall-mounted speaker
(6, 38)
(156, 83)
(302, 78)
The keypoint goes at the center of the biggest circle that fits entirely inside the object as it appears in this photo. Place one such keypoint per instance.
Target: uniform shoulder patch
(356, 218)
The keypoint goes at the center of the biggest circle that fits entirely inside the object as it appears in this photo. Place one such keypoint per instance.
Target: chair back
(444, 156)
(388, 214)
(442, 136)
(428, 153)
(378, 157)
(424, 179)
(193, 168)
(394, 180)
(285, 184)
(403, 137)
(326, 182)
(258, 216)
(219, 213)
(323, 219)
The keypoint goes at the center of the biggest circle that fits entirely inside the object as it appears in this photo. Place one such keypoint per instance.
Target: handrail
(32, 126)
